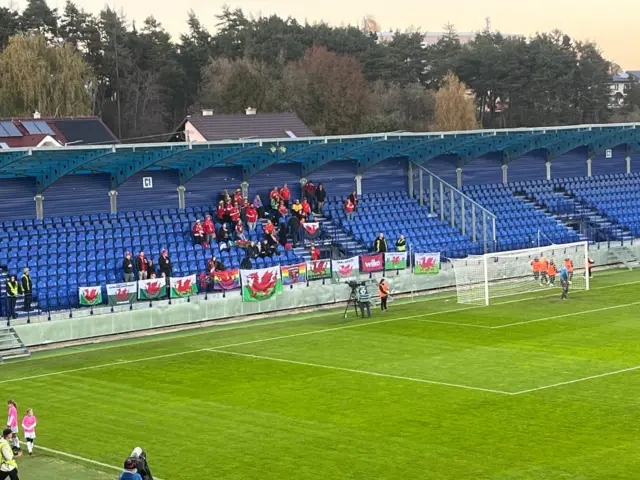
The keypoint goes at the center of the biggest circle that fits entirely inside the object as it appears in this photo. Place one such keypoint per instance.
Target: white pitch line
(577, 380)
(83, 459)
(362, 372)
(573, 314)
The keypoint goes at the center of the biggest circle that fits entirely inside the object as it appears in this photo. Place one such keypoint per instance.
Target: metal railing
(456, 208)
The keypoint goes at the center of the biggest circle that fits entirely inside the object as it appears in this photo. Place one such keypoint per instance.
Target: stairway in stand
(11, 346)
(562, 219)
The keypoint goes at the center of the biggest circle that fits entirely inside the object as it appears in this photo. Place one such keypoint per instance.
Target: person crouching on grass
(29, 427)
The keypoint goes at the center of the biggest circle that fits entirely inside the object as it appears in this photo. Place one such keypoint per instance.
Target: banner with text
(90, 296)
(395, 260)
(152, 289)
(346, 269)
(260, 284)
(372, 263)
(122, 293)
(317, 269)
(226, 280)
(427, 263)
(183, 286)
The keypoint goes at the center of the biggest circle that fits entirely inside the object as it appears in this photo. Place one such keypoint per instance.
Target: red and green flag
(427, 263)
(260, 284)
(122, 293)
(152, 289)
(395, 260)
(183, 286)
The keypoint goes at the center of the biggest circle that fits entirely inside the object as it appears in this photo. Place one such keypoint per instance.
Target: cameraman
(364, 300)
(142, 466)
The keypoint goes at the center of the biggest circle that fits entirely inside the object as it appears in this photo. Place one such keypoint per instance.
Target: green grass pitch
(529, 388)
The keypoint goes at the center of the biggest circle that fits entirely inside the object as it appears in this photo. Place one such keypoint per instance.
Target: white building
(620, 84)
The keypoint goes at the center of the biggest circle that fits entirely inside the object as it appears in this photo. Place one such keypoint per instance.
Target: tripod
(350, 301)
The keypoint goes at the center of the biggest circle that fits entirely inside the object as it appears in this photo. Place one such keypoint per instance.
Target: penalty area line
(82, 459)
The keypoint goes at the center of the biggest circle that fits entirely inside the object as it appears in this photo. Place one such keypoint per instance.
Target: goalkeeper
(564, 282)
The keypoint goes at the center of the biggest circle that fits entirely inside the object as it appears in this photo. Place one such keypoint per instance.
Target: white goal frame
(475, 275)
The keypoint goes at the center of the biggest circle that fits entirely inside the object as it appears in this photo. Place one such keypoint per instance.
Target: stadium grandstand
(69, 214)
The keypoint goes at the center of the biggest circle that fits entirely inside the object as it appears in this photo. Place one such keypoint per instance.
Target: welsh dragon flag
(311, 230)
(152, 289)
(121, 293)
(395, 260)
(260, 284)
(346, 269)
(427, 263)
(183, 286)
(90, 295)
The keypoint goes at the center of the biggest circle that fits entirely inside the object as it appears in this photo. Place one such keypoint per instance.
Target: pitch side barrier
(218, 306)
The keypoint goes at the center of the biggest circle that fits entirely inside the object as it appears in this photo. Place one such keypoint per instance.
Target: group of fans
(16, 287)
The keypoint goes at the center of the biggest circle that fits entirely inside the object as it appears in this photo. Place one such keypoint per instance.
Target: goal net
(480, 279)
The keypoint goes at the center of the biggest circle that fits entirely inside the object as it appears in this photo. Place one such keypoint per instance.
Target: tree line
(339, 80)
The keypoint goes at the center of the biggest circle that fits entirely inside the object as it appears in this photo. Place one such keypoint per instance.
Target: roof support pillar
(113, 201)
(39, 199)
(410, 173)
(589, 160)
(181, 202)
(359, 184)
(505, 177)
(459, 177)
(244, 187)
(548, 165)
(628, 164)
(421, 186)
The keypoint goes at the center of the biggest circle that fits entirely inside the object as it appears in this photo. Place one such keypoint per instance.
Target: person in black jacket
(27, 289)
(164, 262)
(223, 236)
(380, 245)
(321, 196)
(294, 227)
(127, 267)
(13, 290)
(252, 250)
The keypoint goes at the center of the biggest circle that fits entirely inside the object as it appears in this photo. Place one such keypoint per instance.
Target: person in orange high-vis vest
(535, 267)
(552, 271)
(568, 264)
(544, 268)
(383, 289)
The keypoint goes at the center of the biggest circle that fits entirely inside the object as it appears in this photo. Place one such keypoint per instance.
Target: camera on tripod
(353, 284)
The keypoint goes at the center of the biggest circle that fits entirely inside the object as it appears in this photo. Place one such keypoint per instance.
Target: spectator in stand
(243, 210)
(164, 262)
(151, 268)
(223, 236)
(227, 212)
(127, 267)
(315, 252)
(310, 192)
(269, 228)
(274, 198)
(401, 244)
(237, 197)
(321, 196)
(245, 264)
(257, 204)
(380, 245)
(294, 228)
(214, 265)
(252, 217)
(27, 289)
(296, 209)
(282, 209)
(239, 231)
(209, 230)
(198, 233)
(224, 196)
(349, 207)
(353, 196)
(285, 195)
(142, 266)
(264, 249)
(234, 213)
(282, 233)
(252, 250)
(13, 290)
(306, 208)
(220, 212)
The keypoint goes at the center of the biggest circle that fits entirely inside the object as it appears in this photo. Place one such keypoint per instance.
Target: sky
(614, 26)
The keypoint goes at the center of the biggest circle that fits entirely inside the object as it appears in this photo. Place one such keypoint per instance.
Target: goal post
(482, 278)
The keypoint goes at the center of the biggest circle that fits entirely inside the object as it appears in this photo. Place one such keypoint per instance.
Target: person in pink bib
(29, 427)
(12, 422)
